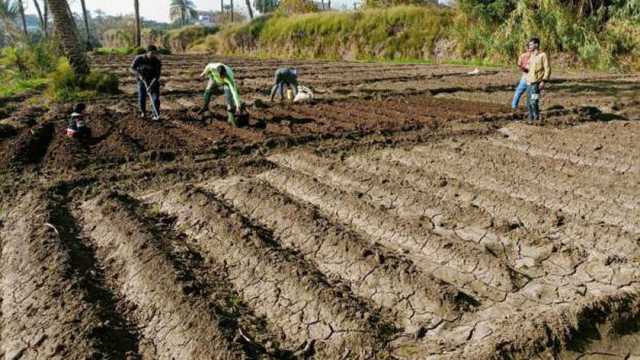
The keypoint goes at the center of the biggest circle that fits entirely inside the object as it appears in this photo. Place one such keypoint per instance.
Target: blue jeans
(520, 90)
(533, 101)
(142, 96)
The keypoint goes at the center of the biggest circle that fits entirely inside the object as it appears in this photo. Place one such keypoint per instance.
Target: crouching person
(77, 127)
(285, 78)
(222, 82)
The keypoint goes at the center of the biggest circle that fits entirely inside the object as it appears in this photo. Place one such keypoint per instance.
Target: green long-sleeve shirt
(229, 80)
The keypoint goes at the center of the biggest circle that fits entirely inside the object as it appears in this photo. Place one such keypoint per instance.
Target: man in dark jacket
(285, 78)
(147, 68)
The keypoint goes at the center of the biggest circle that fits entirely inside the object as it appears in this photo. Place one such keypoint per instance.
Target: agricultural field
(406, 213)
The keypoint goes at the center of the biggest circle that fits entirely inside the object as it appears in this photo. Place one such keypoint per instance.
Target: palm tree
(86, 24)
(138, 35)
(46, 17)
(248, 2)
(39, 12)
(65, 26)
(182, 10)
(24, 19)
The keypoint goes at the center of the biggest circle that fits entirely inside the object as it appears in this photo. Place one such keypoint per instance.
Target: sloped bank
(399, 33)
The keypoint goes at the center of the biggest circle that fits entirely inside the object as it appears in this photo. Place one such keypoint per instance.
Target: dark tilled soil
(406, 214)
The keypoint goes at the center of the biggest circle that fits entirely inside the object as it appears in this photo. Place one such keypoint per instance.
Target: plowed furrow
(522, 182)
(593, 185)
(390, 192)
(538, 232)
(575, 151)
(549, 333)
(289, 292)
(46, 311)
(450, 259)
(602, 139)
(417, 300)
(596, 180)
(179, 325)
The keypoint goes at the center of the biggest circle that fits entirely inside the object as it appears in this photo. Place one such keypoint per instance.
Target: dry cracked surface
(474, 246)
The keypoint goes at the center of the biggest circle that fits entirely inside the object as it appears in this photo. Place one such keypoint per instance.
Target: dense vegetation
(601, 34)
(40, 65)
(596, 34)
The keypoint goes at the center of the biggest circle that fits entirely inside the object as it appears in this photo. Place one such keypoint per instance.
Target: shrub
(64, 85)
(102, 82)
(63, 82)
(183, 38)
(288, 7)
(29, 61)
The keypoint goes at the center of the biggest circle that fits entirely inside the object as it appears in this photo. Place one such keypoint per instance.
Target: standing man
(147, 68)
(285, 78)
(222, 82)
(523, 65)
(539, 73)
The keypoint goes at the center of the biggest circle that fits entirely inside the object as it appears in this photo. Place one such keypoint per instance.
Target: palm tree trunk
(86, 24)
(231, 10)
(46, 18)
(248, 2)
(39, 12)
(138, 34)
(182, 18)
(24, 19)
(329, 5)
(66, 30)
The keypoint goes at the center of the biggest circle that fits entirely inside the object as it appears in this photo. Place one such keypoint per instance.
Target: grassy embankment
(435, 34)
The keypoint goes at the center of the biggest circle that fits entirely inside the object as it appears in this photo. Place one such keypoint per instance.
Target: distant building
(207, 18)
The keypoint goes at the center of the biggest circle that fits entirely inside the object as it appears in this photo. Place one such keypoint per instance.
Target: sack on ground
(304, 94)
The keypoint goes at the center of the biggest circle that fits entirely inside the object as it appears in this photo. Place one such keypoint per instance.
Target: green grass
(404, 32)
(12, 87)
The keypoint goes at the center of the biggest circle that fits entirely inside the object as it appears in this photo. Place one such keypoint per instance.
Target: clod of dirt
(7, 131)
(32, 145)
(259, 104)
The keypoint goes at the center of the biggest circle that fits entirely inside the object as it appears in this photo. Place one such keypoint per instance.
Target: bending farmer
(285, 78)
(222, 82)
(539, 73)
(147, 68)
